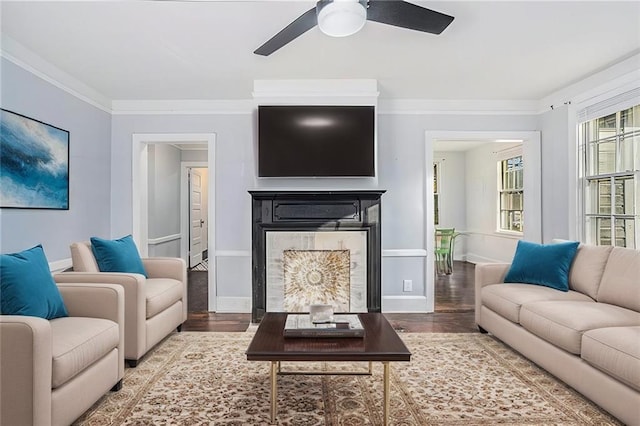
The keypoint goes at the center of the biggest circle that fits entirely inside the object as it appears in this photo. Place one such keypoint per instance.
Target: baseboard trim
(390, 304)
(236, 305)
(404, 304)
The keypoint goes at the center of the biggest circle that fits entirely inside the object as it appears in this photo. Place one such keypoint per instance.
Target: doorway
(197, 206)
(478, 240)
(186, 143)
(194, 215)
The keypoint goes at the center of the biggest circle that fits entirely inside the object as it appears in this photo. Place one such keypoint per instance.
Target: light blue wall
(402, 156)
(556, 174)
(404, 160)
(164, 198)
(101, 173)
(89, 211)
(234, 169)
(164, 191)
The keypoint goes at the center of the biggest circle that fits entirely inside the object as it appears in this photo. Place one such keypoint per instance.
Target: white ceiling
(157, 50)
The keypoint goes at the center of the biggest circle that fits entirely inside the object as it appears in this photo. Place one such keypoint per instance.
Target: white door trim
(532, 185)
(139, 192)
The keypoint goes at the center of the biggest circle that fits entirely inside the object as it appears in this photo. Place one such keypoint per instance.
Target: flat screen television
(316, 141)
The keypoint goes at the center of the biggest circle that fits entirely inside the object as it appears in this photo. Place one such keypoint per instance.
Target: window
(436, 187)
(511, 188)
(611, 178)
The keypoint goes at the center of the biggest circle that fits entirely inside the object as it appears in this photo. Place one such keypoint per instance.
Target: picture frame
(34, 165)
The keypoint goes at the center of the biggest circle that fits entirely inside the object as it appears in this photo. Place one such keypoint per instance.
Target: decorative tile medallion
(331, 264)
(316, 277)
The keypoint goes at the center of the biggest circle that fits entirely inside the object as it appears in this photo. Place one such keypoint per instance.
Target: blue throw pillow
(27, 287)
(119, 255)
(542, 264)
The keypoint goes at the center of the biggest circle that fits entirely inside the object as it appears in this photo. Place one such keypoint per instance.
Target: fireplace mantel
(333, 210)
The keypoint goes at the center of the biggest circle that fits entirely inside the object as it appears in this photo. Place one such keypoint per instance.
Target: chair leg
(117, 386)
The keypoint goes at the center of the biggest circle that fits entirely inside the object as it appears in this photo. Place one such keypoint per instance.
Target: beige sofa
(154, 306)
(51, 371)
(589, 337)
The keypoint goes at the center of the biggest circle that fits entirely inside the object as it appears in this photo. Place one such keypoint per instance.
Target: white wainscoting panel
(404, 304)
(60, 265)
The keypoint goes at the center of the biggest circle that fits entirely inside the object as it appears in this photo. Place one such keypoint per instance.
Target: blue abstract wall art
(34, 163)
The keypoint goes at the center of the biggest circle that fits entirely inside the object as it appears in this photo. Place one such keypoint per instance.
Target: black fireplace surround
(315, 211)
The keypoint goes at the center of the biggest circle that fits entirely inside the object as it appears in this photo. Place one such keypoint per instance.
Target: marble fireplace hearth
(316, 247)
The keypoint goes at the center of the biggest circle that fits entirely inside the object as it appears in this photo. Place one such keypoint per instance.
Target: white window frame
(437, 183)
(584, 157)
(500, 157)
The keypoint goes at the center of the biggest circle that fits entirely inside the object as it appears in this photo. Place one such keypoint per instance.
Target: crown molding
(15, 52)
(182, 107)
(622, 76)
(384, 106)
(457, 107)
(324, 88)
(316, 92)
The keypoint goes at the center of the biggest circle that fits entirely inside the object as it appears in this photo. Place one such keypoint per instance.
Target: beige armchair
(154, 306)
(52, 371)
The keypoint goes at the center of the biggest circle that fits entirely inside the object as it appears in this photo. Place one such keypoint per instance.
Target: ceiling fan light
(341, 18)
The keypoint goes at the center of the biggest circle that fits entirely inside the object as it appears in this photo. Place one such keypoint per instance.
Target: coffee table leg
(386, 393)
(274, 390)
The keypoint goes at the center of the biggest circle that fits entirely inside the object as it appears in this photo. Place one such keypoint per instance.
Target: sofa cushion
(161, 293)
(563, 323)
(542, 264)
(77, 343)
(621, 279)
(119, 255)
(616, 351)
(506, 299)
(587, 269)
(27, 287)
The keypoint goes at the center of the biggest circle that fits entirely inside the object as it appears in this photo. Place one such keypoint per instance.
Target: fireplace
(316, 247)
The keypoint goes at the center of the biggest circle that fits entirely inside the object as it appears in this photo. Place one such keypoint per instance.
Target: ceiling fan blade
(407, 15)
(301, 25)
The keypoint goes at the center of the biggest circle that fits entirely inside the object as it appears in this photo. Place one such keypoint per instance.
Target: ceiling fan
(340, 18)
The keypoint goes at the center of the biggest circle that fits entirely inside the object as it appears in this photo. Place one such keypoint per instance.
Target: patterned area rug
(453, 379)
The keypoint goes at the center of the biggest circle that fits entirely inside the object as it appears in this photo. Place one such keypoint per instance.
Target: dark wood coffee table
(381, 343)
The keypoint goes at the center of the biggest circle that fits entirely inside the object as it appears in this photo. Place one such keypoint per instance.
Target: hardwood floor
(456, 292)
(454, 308)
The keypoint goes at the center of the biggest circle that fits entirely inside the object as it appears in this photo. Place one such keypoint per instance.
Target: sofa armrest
(490, 273)
(486, 274)
(135, 303)
(25, 370)
(169, 267)
(96, 300)
(166, 267)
